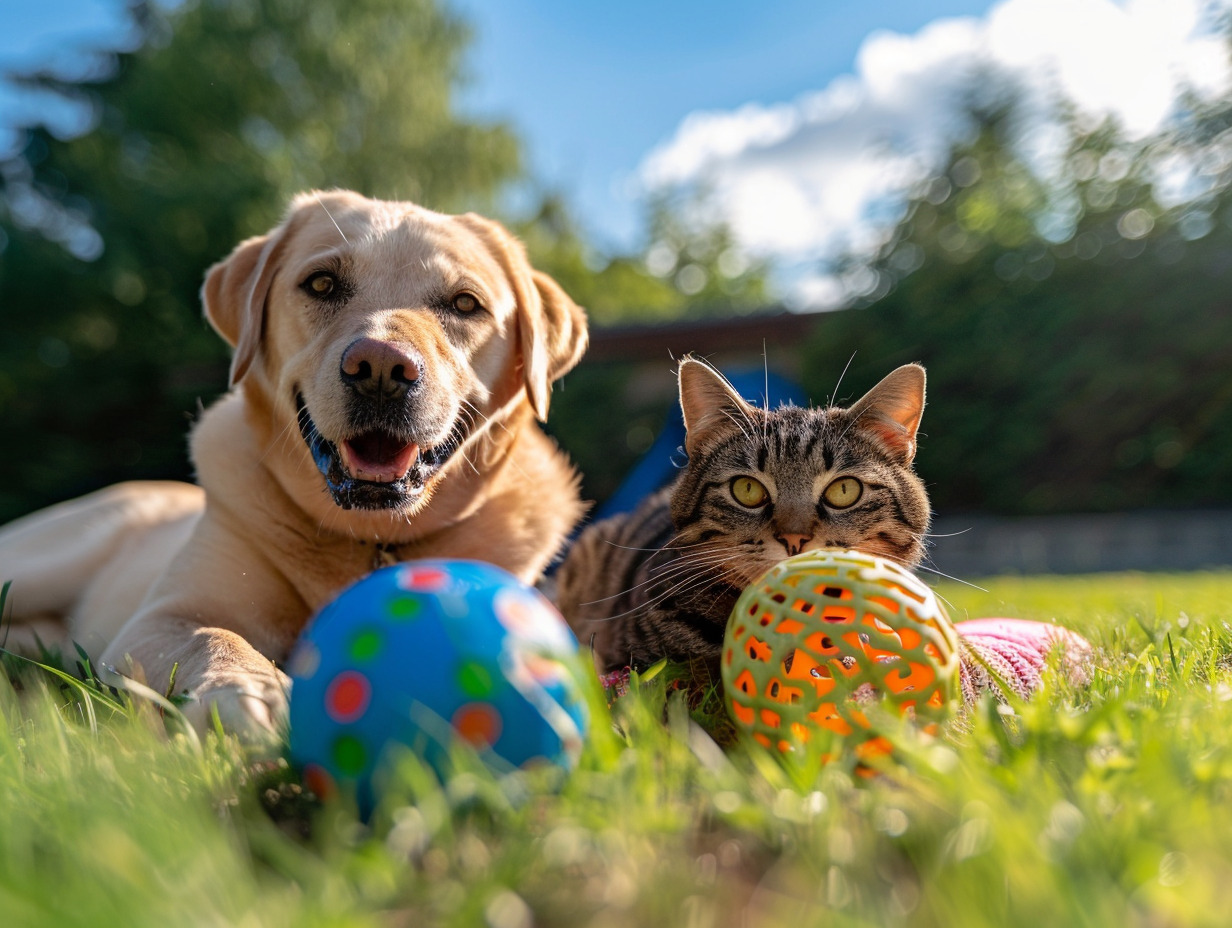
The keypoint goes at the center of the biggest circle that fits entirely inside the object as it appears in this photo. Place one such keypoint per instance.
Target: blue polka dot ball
(425, 653)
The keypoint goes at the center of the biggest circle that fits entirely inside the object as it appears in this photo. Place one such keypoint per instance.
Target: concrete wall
(975, 546)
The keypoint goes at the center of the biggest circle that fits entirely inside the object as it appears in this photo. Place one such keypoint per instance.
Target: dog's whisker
(283, 439)
(332, 219)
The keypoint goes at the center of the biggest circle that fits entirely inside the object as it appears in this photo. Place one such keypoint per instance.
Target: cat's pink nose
(794, 544)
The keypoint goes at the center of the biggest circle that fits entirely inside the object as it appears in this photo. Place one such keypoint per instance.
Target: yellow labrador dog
(389, 366)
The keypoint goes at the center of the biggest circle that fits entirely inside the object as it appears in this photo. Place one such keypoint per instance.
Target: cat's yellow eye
(843, 492)
(749, 492)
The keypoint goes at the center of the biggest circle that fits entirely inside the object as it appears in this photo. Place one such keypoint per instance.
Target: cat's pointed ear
(708, 402)
(891, 411)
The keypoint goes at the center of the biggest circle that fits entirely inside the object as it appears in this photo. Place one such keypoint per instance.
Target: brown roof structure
(777, 329)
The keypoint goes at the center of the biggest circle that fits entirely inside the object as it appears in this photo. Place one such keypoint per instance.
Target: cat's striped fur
(661, 581)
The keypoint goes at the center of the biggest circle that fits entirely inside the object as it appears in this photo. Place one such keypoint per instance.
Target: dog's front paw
(253, 708)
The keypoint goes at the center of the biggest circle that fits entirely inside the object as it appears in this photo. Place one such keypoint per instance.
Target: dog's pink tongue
(378, 457)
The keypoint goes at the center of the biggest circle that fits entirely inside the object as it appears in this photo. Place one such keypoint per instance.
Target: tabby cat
(759, 486)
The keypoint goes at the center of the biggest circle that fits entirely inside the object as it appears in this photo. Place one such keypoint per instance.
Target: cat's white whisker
(683, 567)
(765, 400)
(834, 396)
(945, 601)
(670, 544)
(933, 570)
(947, 534)
(668, 571)
(739, 423)
(699, 574)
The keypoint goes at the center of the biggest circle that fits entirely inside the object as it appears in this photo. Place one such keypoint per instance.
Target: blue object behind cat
(657, 467)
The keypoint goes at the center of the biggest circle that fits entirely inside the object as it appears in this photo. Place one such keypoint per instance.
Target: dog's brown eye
(465, 303)
(322, 283)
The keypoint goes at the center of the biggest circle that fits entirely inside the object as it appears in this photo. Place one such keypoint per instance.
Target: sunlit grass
(1106, 805)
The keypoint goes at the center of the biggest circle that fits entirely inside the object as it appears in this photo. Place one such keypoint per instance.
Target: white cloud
(809, 179)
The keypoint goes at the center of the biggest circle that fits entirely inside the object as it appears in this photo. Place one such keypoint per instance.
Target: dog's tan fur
(219, 580)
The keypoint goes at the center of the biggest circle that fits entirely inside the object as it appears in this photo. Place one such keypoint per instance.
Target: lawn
(1105, 806)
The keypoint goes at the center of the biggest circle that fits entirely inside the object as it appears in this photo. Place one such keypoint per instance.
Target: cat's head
(762, 485)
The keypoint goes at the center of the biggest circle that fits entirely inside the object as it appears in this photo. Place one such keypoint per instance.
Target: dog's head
(387, 337)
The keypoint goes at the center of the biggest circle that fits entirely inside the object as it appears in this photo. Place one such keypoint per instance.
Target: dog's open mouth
(378, 457)
(376, 469)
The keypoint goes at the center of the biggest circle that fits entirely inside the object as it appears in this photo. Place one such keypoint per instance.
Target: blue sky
(804, 120)
(593, 87)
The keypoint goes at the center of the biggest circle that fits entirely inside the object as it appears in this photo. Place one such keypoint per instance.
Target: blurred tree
(612, 289)
(701, 259)
(1077, 332)
(686, 270)
(195, 139)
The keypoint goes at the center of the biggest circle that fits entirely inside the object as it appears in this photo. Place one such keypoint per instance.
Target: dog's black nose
(381, 370)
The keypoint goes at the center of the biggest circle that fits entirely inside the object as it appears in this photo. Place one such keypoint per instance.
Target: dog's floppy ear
(554, 338)
(234, 295)
(235, 289)
(552, 332)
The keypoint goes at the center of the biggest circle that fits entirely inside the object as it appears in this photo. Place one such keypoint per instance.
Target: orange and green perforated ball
(825, 642)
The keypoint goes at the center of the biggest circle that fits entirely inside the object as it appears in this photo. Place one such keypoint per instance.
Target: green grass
(1106, 806)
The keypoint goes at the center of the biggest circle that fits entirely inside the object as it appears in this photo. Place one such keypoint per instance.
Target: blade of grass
(170, 709)
(4, 598)
(85, 689)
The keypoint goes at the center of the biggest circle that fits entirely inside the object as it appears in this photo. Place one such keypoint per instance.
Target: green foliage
(701, 259)
(611, 289)
(687, 270)
(198, 137)
(1096, 806)
(1076, 333)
